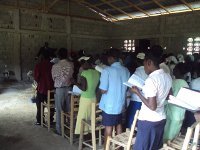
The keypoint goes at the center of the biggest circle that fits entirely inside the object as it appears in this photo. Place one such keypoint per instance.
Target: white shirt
(157, 84)
(195, 84)
(140, 73)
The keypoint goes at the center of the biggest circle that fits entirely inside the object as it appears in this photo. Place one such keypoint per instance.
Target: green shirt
(173, 111)
(92, 78)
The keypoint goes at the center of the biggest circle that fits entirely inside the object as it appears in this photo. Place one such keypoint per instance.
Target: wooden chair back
(74, 104)
(50, 97)
(133, 126)
(192, 134)
(96, 116)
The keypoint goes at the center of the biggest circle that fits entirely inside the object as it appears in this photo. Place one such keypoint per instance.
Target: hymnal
(186, 98)
(134, 80)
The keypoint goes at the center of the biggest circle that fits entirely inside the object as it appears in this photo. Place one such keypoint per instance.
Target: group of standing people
(156, 119)
(51, 76)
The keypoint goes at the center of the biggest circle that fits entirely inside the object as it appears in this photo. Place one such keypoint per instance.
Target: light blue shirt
(112, 79)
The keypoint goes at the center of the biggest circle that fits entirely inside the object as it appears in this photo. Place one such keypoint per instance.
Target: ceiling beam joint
(116, 8)
(51, 5)
(155, 1)
(82, 2)
(187, 4)
(136, 7)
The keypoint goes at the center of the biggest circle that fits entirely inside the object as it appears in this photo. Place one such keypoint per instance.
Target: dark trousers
(39, 99)
(149, 135)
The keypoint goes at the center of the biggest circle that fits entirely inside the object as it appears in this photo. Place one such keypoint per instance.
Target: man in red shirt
(42, 75)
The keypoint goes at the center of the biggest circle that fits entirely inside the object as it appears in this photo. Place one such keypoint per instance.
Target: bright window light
(193, 45)
(129, 45)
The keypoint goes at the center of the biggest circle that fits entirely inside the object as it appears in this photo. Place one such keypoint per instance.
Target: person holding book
(135, 102)
(152, 117)
(113, 93)
(175, 115)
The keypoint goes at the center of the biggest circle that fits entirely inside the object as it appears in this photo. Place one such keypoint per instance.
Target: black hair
(163, 58)
(179, 70)
(45, 54)
(155, 54)
(197, 68)
(115, 53)
(62, 53)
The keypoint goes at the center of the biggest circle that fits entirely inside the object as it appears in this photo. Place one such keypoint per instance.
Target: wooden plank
(52, 4)
(187, 4)
(136, 7)
(96, 8)
(155, 1)
(130, 16)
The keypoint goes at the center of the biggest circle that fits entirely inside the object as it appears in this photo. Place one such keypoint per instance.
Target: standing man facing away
(113, 93)
(62, 74)
(42, 75)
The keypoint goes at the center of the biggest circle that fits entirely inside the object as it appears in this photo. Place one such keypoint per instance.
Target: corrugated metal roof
(115, 10)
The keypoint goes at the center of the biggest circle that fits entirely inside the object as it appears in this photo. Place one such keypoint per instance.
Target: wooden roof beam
(187, 4)
(110, 1)
(136, 7)
(52, 4)
(130, 16)
(96, 8)
(155, 1)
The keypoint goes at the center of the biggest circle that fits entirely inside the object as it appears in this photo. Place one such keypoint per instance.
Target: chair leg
(81, 136)
(100, 139)
(71, 128)
(62, 124)
(113, 135)
(108, 143)
(48, 118)
(94, 138)
(42, 114)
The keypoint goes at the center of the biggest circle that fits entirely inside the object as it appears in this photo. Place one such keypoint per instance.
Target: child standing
(152, 116)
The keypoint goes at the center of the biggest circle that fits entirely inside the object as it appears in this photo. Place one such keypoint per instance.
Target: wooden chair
(124, 139)
(189, 141)
(94, 125)
(49, 105)
(68, 118)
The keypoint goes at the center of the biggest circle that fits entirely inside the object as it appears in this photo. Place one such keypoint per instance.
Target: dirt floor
(17, 117)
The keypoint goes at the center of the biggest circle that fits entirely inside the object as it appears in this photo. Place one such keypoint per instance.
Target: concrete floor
(17, 117)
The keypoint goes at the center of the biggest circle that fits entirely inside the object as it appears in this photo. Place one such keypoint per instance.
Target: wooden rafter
(187, 4)
(130, 16)
(52, 4)
(136, 7)
(96, 8)
(17, 3)
(110, 1)
(155, 1)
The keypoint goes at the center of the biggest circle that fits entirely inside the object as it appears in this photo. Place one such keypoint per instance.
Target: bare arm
(150, 102)
(170, 93)
(83, 84)
(103, 91)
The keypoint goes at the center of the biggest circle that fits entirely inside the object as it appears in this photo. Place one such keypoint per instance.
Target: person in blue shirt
(113, 93)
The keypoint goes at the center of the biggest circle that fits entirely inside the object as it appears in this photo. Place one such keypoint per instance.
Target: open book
(75, 90)
(134, 80)
(186, 98)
